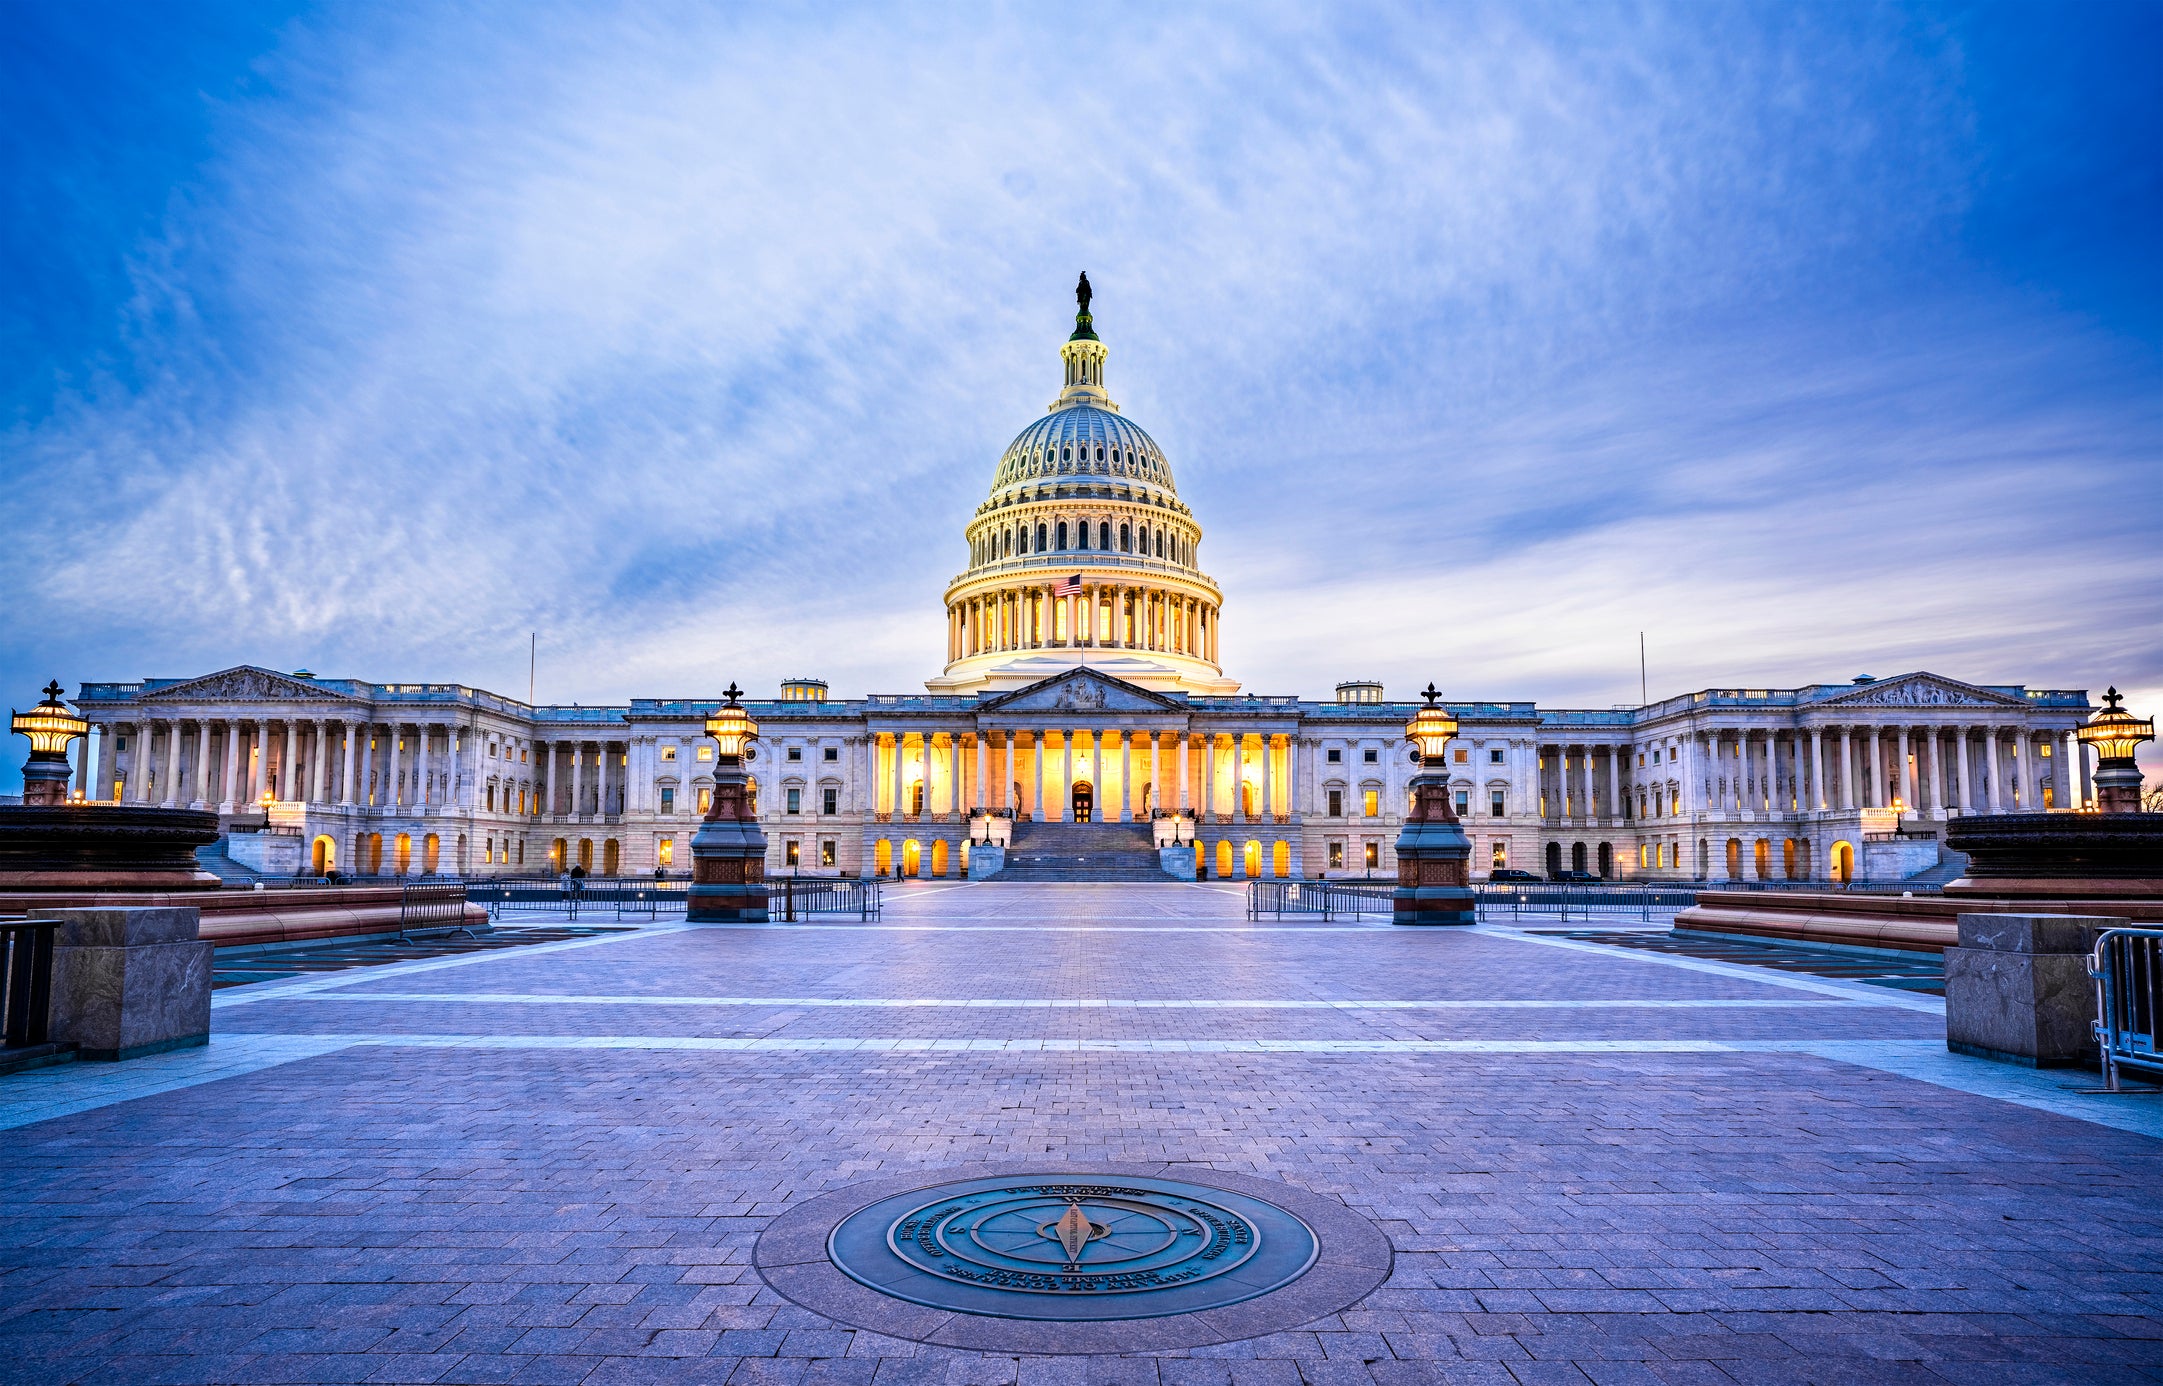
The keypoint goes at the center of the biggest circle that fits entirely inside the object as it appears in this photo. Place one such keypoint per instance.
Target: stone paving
(549, 1164)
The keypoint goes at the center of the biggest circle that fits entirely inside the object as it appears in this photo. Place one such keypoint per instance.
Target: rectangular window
(1336, 856)
(668, 798)
(664, 851)
(833, 754)
(1336, 805)
(796, 753)
(705, 753)
(1501, 855)
(792, 853)
(1374, 803)
(1464, 803)
(1496, 805)
(1374, 855)
(1336, 757)
(705, 800)
(830, 800)
(668, 753)
(1372, 757)
(826, 851)
(1461, 756)
(796, 801)
(1494, 757)
(1655, 756)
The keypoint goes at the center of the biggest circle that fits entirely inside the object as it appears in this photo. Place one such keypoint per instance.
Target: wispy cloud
(1479, 338)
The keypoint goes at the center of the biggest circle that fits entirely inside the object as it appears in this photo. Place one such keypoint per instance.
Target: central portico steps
(1081, 852)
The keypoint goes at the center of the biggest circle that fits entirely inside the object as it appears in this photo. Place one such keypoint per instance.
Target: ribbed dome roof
(1083, 440)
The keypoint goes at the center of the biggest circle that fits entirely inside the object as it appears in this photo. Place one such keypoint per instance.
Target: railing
(26, 980)
(2128, 969)
(432, 907)
(789, 898)
(634, 896)
(1513, 900)
(1321, 899)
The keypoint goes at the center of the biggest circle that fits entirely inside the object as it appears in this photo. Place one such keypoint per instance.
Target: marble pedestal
(2017, 988)
(1177, 861)
(130, 981)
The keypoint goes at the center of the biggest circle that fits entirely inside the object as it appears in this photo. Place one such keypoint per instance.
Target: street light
(51, 726)
(1433, 854)
(728, 853)
(2116, 734)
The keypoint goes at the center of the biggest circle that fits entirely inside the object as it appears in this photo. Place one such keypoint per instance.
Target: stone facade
(1082, 678)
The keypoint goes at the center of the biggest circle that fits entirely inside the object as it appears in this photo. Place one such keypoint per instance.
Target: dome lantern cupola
(1084, 356)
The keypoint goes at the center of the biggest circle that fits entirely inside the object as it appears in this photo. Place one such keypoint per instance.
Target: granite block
(125, 927)
(2028, 1008)
(145, 994)
(2034, 933)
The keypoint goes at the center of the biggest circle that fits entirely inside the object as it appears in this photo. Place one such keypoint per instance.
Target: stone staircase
(1081, 852)
(1951, 866)
(214, 860)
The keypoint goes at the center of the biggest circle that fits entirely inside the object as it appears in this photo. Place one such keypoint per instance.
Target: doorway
(1084, 802)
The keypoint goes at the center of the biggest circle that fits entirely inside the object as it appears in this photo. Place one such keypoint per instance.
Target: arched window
(1104, 535)
(1160, 543)
(1066, 454)
(1006, 544)
(1100, 453)
(1060, 541)
(1126, 539)
(1040, 537)
(1081, 535)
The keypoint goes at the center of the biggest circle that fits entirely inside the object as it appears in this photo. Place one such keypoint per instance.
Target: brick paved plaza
(549, 1164)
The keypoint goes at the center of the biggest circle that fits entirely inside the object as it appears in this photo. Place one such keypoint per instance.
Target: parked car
(1505, 874)
(1577, 877)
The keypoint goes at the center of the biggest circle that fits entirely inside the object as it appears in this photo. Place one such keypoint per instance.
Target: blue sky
(1810, 340)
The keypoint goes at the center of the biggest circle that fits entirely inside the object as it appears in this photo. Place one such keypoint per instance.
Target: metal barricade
(432, 907)
(26, 980)
(2128, 969)
(1319, 899)
(789, 898)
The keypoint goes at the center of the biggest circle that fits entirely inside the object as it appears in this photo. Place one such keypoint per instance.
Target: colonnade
(1131, 773)
(1100, 616)
(1820, 769)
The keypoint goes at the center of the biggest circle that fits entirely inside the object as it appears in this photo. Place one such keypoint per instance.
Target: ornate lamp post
(2115, 734)
(728, 853)
(1433, 853)
(51, 725)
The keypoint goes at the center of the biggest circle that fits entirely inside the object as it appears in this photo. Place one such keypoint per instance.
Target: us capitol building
(1082, 683)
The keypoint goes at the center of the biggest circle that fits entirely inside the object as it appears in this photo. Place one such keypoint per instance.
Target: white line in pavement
(286, 989)
(1772, 977)
(65, 1089)
(513, 998)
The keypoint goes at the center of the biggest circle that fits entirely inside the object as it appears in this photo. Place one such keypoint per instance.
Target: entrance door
(1084, 801)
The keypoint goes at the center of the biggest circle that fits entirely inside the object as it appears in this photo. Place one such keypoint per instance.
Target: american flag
(1068, 587)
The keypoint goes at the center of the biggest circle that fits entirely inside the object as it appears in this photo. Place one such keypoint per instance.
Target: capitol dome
(1083, 555)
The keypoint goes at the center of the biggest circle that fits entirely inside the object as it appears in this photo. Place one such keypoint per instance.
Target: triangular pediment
(246, 684)
(1082, 691)
(1920, 690)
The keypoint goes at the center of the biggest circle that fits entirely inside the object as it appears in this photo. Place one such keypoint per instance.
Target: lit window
(705, 753)
(705, 800)
(668, 753)
(664, 851)
(1462, 757)
(826, 851)
(792, 853)
(1374, 855)
(1501, 855)
(1374, 803)
(1336, 856)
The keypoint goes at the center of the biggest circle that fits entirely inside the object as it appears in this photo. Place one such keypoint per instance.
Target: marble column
(288, 778)
(1937, 772)
(172, 797)
(1066, 778)
(1994, 764)
(86, 789)
(1614, 782)
(2070, 766)
(1036, 757)
(1156, 773)
(1906, 776)
(423, 785)
(1817, 770)
(1209, 774)
(1269, 779)
(1009, 795)
(1180, 749)
(393, 789)
(259, 770)
(345, 776)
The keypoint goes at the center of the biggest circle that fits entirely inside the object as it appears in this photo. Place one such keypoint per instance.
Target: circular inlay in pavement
(1040, 1259)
